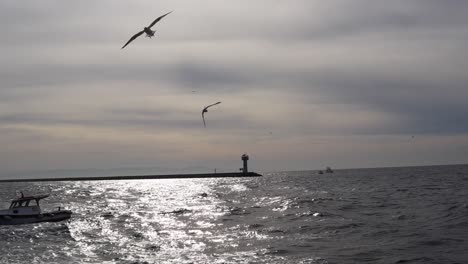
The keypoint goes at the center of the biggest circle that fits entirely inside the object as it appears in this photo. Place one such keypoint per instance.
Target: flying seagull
(147, 30)
(205, 110)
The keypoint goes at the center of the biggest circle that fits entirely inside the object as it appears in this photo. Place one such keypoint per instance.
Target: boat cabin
(26, 205)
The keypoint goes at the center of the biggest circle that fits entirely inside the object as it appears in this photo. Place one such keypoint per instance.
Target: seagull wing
(133, 38)
(157, 19)
(206, 110)
(203, 117)
(212, 105)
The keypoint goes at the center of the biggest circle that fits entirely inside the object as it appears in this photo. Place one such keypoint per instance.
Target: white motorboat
(26, 210)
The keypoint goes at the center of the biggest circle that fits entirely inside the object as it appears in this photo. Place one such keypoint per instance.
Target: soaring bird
(205, 110)
(147, 30)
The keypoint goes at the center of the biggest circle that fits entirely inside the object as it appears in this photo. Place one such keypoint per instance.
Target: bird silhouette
(147, 30)
(205, 110)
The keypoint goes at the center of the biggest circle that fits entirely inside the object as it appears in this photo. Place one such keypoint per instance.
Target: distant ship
(26, 210)
(328, 170)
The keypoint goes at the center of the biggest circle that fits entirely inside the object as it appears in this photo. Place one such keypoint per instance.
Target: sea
(384, 215)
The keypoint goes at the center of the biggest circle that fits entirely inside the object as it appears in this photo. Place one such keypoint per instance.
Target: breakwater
(139, 177)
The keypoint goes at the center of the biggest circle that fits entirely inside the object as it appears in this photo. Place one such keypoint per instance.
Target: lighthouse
(245, 158)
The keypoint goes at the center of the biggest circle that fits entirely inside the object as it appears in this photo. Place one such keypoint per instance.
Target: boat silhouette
(26, 210)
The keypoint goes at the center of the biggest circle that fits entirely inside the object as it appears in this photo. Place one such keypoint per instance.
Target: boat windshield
(24, 203)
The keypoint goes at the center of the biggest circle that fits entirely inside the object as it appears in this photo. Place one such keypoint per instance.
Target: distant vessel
(320, 172)
(26, 210)
(328, 170)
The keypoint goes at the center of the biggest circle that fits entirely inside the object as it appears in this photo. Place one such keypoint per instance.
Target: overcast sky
(303, 84)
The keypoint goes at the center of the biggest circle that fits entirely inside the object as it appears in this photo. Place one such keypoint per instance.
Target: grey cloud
(118, 117)
(200, 75)
(209, 76)
(87, 22)
(412, 98)
(423, 107)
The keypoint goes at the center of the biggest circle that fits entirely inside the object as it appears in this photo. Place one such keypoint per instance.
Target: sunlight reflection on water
(141, 218)
(171, 221)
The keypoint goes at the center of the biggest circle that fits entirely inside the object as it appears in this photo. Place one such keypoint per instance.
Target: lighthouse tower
(245, 158)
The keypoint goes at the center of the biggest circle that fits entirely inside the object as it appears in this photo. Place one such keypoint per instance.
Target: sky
(304, 84)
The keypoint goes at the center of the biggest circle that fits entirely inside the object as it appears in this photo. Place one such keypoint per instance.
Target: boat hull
(56, 216)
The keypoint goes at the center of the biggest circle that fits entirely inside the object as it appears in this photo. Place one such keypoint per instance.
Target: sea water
(389, 215)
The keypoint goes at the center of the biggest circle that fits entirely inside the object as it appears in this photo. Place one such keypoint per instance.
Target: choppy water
(395, 215)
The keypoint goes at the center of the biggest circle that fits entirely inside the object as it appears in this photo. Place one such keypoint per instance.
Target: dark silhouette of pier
(244, 173)
(141, 177)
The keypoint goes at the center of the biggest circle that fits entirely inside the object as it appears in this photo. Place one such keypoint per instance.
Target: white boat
(26, 210)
